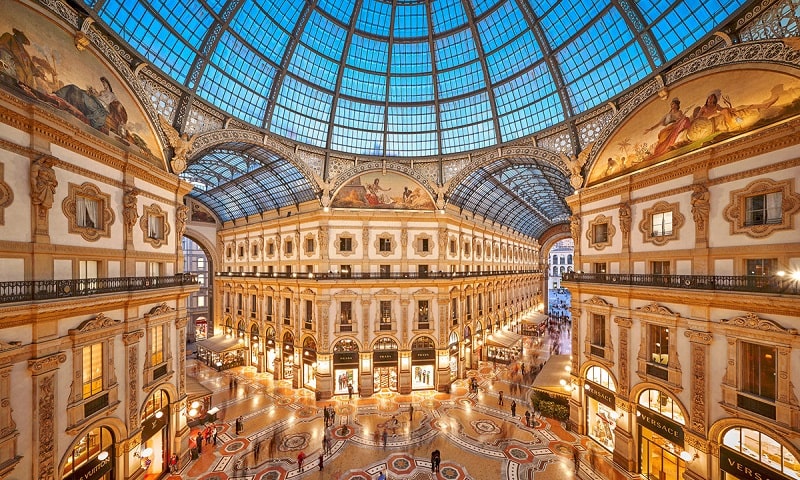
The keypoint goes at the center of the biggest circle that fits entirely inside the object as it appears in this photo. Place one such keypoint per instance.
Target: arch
(452, 338)
(208, 246)
(287, 338)
(637, 390)
(341, 342)
(585, 372)
(422, 342)
(309, 342)
(169, 389)
(385, 343)
(255, 330)
(719, 428)
(114, 425)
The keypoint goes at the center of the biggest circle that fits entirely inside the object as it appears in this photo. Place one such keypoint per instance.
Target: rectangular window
(201, 263)
(201, 301)
(762, 266)
(600, 233)
(345, 244)
(384, 245)
(386, 315)
(599, 268)
(241, 250)
(454, 310)
(469, 307)
(87, 269)
(287, 308)
(346, 271)
(270, 248)
(154, 269)
(288, 269)
(598, 338)
(255, 250)
(270, 269)
(758, 370)
(453, 247)
(270, 309)
(385, 271)
(253, 305)
(87, 212)
(309, 313)
(310, 245)
(289, 247)
(346, 313)
(764, 209)
(422, 270)
(659, 268)
(424, 245)
(92, 369)
(480, 304)
(309, 268)
(422, 311)
(157, 344)
(662, 224)
(658, 341)
(255, 269)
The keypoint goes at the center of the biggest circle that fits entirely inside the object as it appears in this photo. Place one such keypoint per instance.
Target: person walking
(349, 391)
(214, 434)
(513, 408)
(173, 463)
(300, 457)
(576, 458)
(382, 476)
(385, 436)
(411, 413)
(320, 462)
(436, 459)
(500, 398)
(257, 451)
(527, 418)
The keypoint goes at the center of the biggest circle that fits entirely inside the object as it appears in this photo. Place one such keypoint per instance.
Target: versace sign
(661, 425)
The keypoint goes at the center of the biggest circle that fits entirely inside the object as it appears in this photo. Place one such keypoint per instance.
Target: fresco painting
(200, 213)
(383, 190)
(698, 113)
(40, 61)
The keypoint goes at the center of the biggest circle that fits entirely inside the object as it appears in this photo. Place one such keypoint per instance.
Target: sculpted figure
(181, 144)
(43, 182)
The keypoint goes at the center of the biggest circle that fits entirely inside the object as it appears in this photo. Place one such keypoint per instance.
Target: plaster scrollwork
(698, 387)
(697, 336)
(132, 337)
(736, 211)
(160, 309)
(129, 208)
(623, 322)
(46, 413)
(657, 309)
(754, 322)
(133, 381)
(99, 322)
(46, 364)
(595, 300)
(6, 195)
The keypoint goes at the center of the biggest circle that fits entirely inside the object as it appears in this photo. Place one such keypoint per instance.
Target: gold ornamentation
(181, 215)
(596, 240)
(656, 308)
(575, 165)
(646, 225)
(45, 364)
(736, 211)
(160, 310)
(6, 195)
(96, 323)
(753, 321)
(94, 228)
(154, 238)
(181, 144)
(595, 300)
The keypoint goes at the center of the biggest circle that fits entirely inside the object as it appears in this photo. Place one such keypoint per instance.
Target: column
(43, 439)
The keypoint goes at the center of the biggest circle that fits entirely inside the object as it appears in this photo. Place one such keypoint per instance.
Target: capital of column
(132, 337)
(696, 336)
(42, 365)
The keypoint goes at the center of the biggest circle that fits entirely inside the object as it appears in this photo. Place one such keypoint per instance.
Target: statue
(575, 228)
(181, 215)
(625, 218)
(575, 165)
(181, 145)
(129, 212)
(700, 206)
(439, 191)
(43, 182)
(325, 189)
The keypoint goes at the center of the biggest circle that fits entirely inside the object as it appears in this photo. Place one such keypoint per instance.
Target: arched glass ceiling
(237, 180)
(409, 77)
(524, 194)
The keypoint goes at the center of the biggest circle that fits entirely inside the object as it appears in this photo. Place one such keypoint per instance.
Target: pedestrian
(436, 459)
(320, 462)
(349, 391)
(214, 434)
(527, 418)
(328, 443)
(207, 433)
(300, 457)
(411, 413)
(257, 450)
(199, 439)
(173, 463)
(333, 415)
(385, 436)
(326, 415)
(513, 408)
(500, 398)
(382, 476)
(230, 384)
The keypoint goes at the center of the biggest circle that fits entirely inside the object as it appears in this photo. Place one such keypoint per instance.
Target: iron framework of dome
(404, 78)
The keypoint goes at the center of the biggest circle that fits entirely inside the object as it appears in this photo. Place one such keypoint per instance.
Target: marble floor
(477, 437)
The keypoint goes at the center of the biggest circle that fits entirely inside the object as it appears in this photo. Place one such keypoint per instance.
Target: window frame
(647, 229)
(736, 210)
(591, 232)
(104, 212)
(154, 211)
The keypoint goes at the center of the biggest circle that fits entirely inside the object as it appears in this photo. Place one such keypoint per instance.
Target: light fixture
(159, 414)
(688, 457)
(193, 412)
(103, 455)
(195, 405)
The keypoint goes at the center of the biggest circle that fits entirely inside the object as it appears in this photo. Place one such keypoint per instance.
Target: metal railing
(742, 283)
(375, 275)
(35, 290)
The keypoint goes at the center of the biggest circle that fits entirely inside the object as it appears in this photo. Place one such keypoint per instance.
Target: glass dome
(409, 77)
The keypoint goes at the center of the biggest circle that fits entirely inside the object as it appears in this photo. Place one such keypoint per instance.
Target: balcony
(744, 283)
(376, 275)
(32, 291)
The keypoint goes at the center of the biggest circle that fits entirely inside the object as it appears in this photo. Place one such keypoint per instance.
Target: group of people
(329, 414)
(207, 434)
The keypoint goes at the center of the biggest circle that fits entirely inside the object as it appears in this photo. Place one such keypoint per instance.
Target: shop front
(477, 345)
(452, 348)
(503, 347)
(269, 345)
(92, 457)
(601, 410)
(154, 450)
(310, 363)
(423, 363)
(468, 347)
(661, 436)
(200, 328)
(749, 454)
(384, 364)
(345, 366)
(288, 356)
(221, 352)
(256, 348)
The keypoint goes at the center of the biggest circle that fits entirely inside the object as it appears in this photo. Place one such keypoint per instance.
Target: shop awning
(220, 344)
(534, 318)
(549, 379)
(503, 339)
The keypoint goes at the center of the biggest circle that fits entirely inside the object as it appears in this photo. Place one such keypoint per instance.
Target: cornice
(753, 322)
(7, 246)
(101, 321)
(46, 364)
(132, 337)
(697, 336)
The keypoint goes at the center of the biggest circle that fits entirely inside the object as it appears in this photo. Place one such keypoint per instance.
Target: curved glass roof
(409, 77)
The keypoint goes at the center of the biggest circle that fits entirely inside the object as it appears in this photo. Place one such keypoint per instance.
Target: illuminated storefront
(384, 364)
(154, 450)
(453, 350)
(92, 457)
(423, 363)
(310, 363)
(270, 349)
(601, 410)
(288, 355)
(661, 436)
(749, 454)
(256, 349)
(345, 366)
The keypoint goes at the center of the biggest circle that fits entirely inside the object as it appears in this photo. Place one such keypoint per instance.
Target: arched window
(601, 377)
(561, 270)
(385, 343)
(661, 403)
(345, 345)
(763, 449)
(423, 343)
(569, 259)
(97, 444)
(555, 271)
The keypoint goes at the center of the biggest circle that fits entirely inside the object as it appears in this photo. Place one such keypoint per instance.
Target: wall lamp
(688, 457)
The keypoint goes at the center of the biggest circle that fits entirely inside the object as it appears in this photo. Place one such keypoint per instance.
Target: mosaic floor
(477, 438)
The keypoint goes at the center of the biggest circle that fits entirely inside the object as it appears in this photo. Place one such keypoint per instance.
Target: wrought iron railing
(30, 291)
(743, 283)
(375, 275)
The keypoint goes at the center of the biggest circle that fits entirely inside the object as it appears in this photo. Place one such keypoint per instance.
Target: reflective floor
(477, 437)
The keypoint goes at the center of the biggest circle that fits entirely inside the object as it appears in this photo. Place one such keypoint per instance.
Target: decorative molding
(701, 208)
(696, 336)
(698, 384)
(99, 322)
(46, 414)
(610, 232)
(43, 189)
(646, 225)
(159, 310)
(6, 195)
(104, 211)
(417, 245)
(181, 216)
(130, 212)
(392, 244)
(338, 244)
(754, 322)
(595, 300)
(658, 309)
(42, 365)
(736, 211)
(144, 223)
(133, 383)
(623, 322)
(132, 337)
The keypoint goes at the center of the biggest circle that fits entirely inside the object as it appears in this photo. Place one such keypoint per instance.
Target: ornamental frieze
(754, 322)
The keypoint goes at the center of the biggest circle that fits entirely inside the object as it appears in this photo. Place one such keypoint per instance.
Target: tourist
(500, 398)
(300, 457)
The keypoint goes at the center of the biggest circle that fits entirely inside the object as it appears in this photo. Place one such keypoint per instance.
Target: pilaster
(43, 441)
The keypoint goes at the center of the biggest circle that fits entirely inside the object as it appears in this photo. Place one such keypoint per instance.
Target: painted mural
(200, 213)
(698, 113)
(383, 190)
(41, 61)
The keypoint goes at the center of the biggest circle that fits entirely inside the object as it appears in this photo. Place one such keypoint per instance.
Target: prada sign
(423, 356)
(661, 425)
(92, 469)
(385, 357)
(744, 467)
(601, 394)
(345, 358)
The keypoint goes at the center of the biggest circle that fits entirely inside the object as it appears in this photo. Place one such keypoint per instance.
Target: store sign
(423, 355)
(385, 357)
(601, 394)
(93, 469)
(661, 425)
(152, 425)
(742, 466)
(345, 358)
